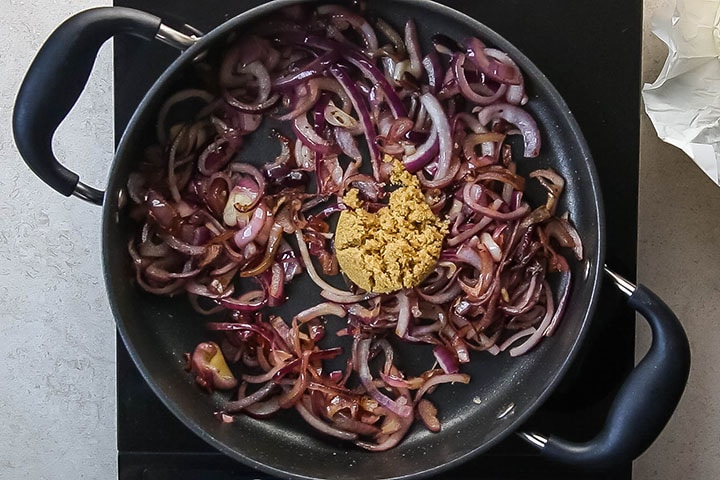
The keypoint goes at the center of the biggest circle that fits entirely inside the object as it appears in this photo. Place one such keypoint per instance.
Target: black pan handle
(644, 403)
(58, 76)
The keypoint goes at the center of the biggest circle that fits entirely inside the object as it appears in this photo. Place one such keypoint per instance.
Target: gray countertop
(58, 336)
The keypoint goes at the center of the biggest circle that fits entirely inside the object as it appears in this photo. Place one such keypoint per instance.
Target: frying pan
(503, 392)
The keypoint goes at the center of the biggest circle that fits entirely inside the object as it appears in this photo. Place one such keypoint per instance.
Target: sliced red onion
(313, 69)
(364, 64)
(565, 234)
(515, 337)
(252, 229)
(209, 366)
(263, 409)
(428, 414)
(518, 117)
(155, 272)
(249, 50)
(443, 296)
(148, 249)
(345, 298)
(470, 256)
(241, 403)
(445, 44)
(391, 440)
(433, 70)
(562, 303)
(264, 99)
(184, 247)
(215, 157)
(248, 122)
(329, 175)
(471, 202)
(205, 291)
(247, 302)
(403, 315)
(526, 296)
(501, 174)
(276, 286)
(372, 72)
(338, 118)
(161, 211)
(515, 93)
(491, 67)
(252, 171)
(355, 426)
(446, 359)
(398, 382)
(242, 198)
(306, 96)
(347, 144)
(457, 65)
(342, 14)
(424, 154)
(363, 354)
(326, 287)
(442, 126)
(319, 310)
(472, 231)
(307, 135)
(167, 289)
(489, 242)
(413, 49)
(305, 157)
(292, 396)
(348, 84)
(321, 426)
(174, 100)
(441, 378)
(253, 108)
(535, 338)
(392, 35)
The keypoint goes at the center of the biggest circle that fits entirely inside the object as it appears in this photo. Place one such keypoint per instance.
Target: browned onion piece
(428, 414)
(241, 403)
(210, 369)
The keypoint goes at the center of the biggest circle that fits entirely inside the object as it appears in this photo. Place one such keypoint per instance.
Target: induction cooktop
(590, 51)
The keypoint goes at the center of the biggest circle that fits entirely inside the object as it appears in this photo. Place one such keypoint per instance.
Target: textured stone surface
(58, 396)
(679, 258)
(58, 339)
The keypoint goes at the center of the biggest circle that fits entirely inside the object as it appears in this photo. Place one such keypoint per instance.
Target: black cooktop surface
(590, 51)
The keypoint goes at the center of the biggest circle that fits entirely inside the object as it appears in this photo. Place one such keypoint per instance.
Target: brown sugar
(395, 248)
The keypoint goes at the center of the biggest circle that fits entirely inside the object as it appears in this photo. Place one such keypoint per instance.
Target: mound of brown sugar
(395, 248)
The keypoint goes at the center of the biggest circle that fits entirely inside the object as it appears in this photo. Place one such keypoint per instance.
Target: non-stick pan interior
(503, 391)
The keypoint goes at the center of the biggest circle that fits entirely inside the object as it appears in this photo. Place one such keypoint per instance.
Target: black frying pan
(503, 392)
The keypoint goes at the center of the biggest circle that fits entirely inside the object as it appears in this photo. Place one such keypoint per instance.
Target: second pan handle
(644, 403)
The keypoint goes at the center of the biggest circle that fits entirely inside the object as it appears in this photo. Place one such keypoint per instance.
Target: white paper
(684, 102)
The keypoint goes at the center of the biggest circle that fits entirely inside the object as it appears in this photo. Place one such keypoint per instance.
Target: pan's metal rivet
(535, 439)
(507, 410)
(625, 285)
(121, 203)
(477, 400)
(121, 199)
(175, 38)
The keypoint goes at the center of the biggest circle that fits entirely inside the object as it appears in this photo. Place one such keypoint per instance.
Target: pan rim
(528, 67)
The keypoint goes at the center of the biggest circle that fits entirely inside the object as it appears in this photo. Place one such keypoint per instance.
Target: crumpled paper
(684, 102)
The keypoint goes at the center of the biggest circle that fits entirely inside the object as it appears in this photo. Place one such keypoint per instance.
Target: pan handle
(58, 76)
(646, 400)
